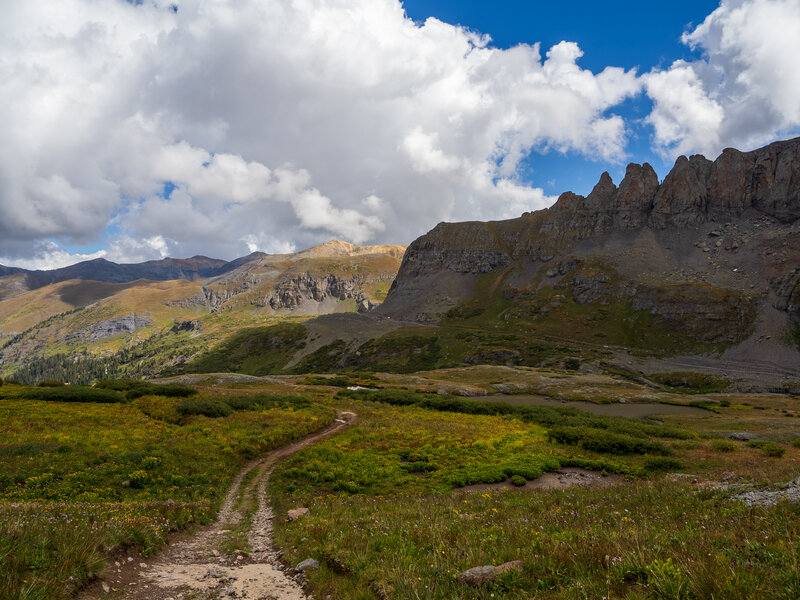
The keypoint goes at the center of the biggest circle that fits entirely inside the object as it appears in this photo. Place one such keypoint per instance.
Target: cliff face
(708, 250)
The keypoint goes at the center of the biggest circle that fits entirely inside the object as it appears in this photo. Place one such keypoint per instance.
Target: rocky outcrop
(216, 295)
(103, 329)
(292, 293)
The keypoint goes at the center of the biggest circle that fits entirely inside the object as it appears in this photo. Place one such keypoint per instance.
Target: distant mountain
(99, 307)
(101, 269)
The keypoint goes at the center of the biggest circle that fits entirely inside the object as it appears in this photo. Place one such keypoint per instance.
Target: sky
(136, 130)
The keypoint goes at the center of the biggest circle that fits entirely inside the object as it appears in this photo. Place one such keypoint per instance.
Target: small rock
(477, 575)
(130, 559)
(513, 565)
(296, 513)
(106, 589)
(308, 563)
(126, 483)
(143, 565)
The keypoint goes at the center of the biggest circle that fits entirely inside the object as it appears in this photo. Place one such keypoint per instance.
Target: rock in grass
(296, 513)
(509, 567)
(477, 576)
(307, 564)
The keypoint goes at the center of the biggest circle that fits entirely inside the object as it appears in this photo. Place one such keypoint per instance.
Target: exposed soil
(194, 567)
(561, 480)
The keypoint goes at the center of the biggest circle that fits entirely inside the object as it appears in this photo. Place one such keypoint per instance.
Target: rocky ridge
(713, 250)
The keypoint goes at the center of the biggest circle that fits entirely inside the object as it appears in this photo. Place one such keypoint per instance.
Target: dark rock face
(181, 326)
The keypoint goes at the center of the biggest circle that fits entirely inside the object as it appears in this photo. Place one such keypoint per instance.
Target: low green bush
(50, 383)
(796, 443)
(74, 394)
(209, 407)
(518, 480)
(604, 442)
(723, 446)
(418, 467)
(135, 388)
(265, 401)
(770, 449)
(662, 464)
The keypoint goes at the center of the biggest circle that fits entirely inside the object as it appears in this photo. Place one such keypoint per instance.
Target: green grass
(640, 540)
(387, 520)
(79, 476)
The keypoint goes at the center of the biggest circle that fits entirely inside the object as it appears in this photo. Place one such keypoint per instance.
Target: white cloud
(743, 92)
(282, 123)
(48, 255)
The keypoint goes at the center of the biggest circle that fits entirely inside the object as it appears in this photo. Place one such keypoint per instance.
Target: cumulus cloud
(281, 124)
(743, 92)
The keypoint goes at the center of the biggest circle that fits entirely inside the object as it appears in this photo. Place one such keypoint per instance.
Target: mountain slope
(176, 318)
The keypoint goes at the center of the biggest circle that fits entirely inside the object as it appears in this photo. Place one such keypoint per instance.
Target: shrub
(723, 446)
(135, 388)
(572, 364)
(773, 450)
(50, 383)
(518, 480)
(74, 394)
(770, 449)
(138, 479)
(418, 467)
(264, 401)
(603, 441)
(662, 464)
(796, 443)
(209, 407)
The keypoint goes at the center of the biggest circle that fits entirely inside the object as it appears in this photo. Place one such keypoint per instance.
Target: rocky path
(202, 566)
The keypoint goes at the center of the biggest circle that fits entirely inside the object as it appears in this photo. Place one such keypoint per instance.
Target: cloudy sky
(138, 130)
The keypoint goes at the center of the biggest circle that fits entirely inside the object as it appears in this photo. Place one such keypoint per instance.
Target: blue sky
(139, 130)
(639, 35)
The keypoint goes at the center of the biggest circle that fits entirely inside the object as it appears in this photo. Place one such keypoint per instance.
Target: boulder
(296, 513)
(307, 564)
(477, 576)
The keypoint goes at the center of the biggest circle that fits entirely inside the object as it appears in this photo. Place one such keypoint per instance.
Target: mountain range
(700, 270)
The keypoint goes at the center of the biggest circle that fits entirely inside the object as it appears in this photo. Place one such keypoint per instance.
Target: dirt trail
(195, 568)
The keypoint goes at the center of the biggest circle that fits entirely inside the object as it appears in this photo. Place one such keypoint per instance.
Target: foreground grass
(386, 522)
(80, 479)
(640, 540)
